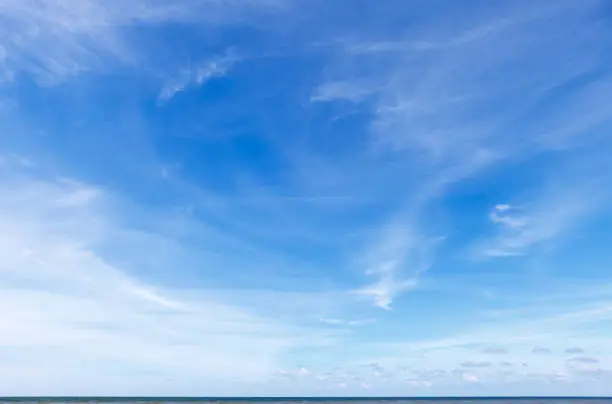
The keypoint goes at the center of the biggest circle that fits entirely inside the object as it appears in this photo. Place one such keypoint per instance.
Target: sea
(318, 400)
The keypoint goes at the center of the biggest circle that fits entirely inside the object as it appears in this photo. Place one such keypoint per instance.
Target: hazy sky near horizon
(322, 197)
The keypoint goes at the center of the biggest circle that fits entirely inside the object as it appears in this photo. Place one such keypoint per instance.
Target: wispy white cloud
(60, 293)
(51, 40)
(396, 262)
(428, 97)
(504, 218)
(495, 351)
(198, 76)
(553, 214)
(517, 334)
(583, 359)
(541, 350)
(418, 382)
(340, 321)
(436, 114)
(586, 366)
(343, 90)
(472, 364)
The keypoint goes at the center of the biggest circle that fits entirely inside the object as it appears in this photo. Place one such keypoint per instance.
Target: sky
(287, 197)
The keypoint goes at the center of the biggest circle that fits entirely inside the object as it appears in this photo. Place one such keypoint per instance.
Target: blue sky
(240, 197)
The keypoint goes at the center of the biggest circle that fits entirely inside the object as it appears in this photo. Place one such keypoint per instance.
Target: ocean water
(331, 400)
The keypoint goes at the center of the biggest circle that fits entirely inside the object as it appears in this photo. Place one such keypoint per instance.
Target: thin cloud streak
(198, 76)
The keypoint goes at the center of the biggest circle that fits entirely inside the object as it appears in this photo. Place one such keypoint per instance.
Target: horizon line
(292, 398)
